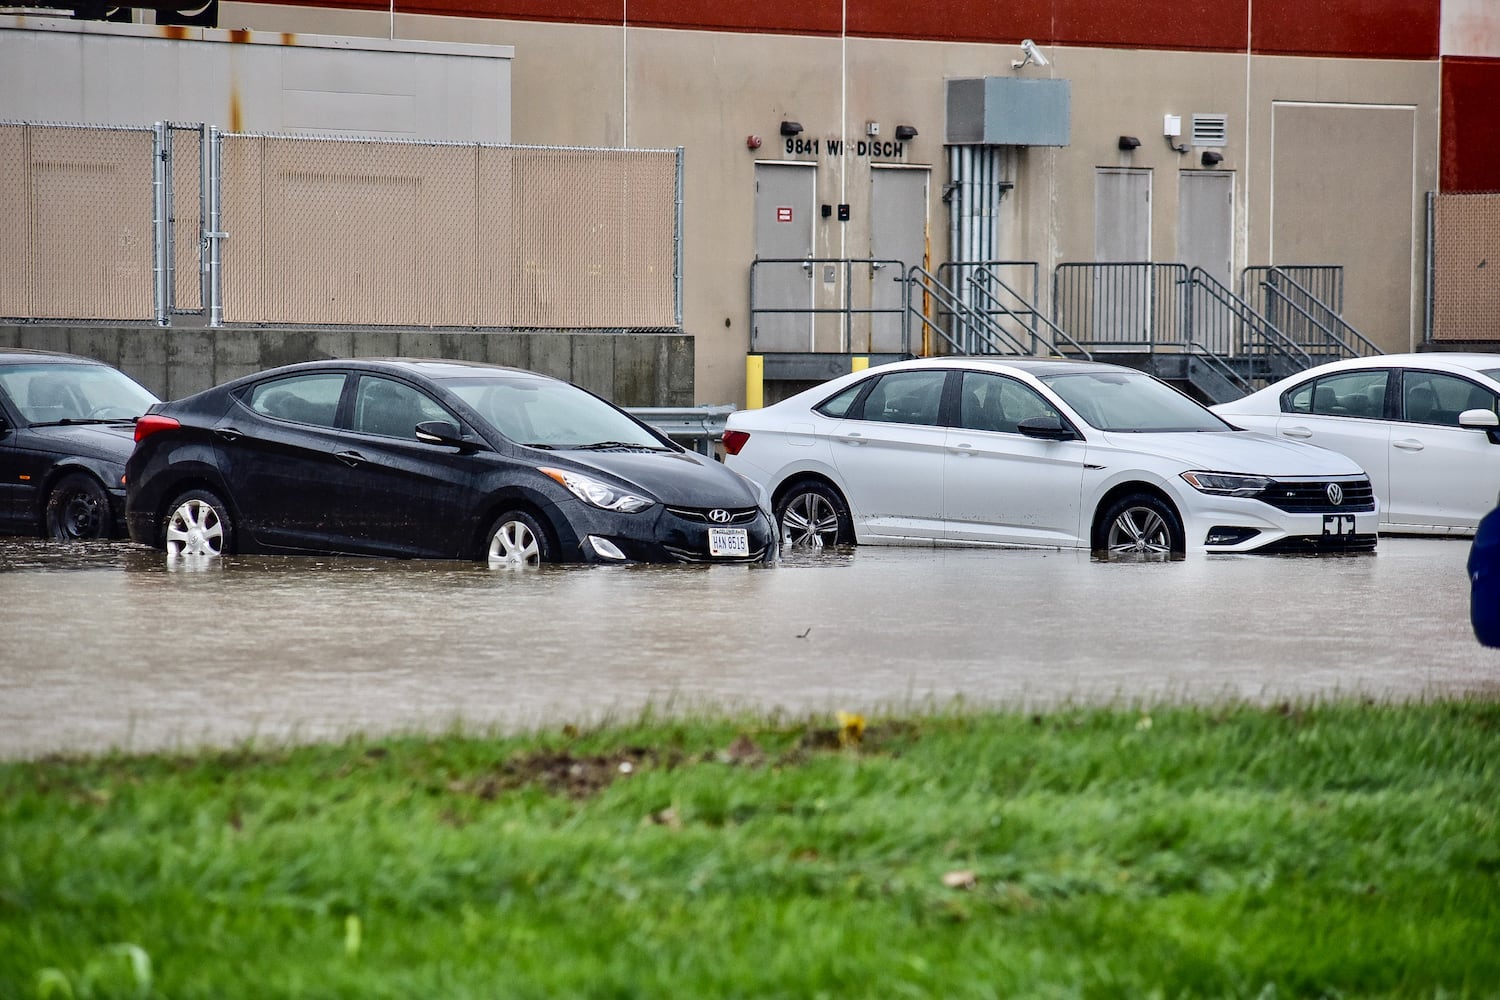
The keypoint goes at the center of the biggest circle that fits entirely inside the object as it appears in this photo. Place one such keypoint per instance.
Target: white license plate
(728, 542)
(1338, 525)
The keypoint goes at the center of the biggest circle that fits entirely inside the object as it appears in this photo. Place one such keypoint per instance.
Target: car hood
(1238, 451)
(678, 479)
(106, 442)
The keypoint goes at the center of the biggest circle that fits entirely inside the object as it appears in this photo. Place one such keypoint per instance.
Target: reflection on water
(106, 645)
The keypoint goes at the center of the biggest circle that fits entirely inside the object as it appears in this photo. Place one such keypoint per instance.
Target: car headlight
(1226, 484)
(599, 493)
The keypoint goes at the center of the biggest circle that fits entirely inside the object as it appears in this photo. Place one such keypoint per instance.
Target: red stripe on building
(1471, 127)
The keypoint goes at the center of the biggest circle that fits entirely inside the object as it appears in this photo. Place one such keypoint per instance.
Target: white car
(1424, 426)
(1031, 452)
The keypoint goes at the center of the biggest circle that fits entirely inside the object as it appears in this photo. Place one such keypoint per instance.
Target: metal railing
(981, 285)
(700, 426)
(1307, 304)
(787, 282)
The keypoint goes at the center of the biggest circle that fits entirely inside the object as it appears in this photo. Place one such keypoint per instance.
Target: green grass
(1318, 850)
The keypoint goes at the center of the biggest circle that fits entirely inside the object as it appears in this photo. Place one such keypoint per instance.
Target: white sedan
(1426, 428)
(1030, 452)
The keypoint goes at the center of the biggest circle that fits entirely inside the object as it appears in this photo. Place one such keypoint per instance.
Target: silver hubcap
(195, 530)
(1139, 530)
(514, 545)
(810, 521)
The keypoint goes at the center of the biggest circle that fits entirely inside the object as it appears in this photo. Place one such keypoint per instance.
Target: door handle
(1296, 432)
(350, 458)
(229, 434)
(852, 438)
(1408, 444)
(964, 450)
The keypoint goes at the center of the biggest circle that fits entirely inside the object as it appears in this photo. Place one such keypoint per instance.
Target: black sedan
(65, 431)
(430, 459)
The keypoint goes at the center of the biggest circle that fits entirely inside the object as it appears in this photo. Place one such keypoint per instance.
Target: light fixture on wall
(1211, 159)
(906, 133)
(791, 128)
(1129, 142)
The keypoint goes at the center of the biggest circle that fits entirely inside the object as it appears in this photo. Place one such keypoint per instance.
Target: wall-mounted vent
(1210, 130)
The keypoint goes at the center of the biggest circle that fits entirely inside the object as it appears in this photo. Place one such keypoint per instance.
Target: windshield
(1131, 402)
(545, 413)
(69, 393)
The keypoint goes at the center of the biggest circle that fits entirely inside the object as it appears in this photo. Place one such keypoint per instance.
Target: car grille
(1312, 498)
(693, 556)
(737, 515)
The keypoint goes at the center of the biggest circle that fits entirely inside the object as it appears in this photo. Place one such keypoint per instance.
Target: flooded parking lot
(106, 646)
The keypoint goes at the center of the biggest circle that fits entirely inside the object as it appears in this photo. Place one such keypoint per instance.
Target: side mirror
(1478, 418)
(441, 432)
(1046, 428)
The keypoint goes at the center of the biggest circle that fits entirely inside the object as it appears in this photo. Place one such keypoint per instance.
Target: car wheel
(78, 509)
(199, 526)
(518, 541)
(813, 515)
(1139, 525)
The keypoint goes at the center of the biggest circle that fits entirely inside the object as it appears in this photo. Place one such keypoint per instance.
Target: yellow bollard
(859, 363)
(755, 381)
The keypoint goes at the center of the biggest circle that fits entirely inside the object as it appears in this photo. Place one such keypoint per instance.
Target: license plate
(1338, 525)
(728, 542)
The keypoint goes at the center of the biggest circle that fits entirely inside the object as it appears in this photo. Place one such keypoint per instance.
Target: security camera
(1030, 54)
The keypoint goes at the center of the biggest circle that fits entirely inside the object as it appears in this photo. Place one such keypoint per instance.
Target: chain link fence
(315, 230)
(76, 222)
(1466, 267)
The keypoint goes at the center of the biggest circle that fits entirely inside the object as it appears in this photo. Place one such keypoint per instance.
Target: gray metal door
(898, 232)
(1205, 222)
(781, 278)
(1122, 234)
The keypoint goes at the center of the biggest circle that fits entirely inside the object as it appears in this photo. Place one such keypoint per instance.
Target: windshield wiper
(612, 445)
(78, 421)
(538, 445)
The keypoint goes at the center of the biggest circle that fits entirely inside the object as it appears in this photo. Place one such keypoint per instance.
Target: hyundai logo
(1335, 494)
(721, 516)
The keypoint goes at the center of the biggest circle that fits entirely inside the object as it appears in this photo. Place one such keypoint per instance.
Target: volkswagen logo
(1335, 494)
(721, 516)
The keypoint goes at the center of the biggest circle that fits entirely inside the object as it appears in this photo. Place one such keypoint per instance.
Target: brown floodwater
(107, 646)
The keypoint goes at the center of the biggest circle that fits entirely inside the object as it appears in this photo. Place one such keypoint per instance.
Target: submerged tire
(1139, 525)
(78, 509)
(813, 515)
(518, 540)
(198, 526)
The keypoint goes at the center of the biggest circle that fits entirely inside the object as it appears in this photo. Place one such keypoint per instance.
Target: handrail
(1219, 366)
(975, 321)
(1269, 336)
(847, 309)
(978, 284)
(1272, 288)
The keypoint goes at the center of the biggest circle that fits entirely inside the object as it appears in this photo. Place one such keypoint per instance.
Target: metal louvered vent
(1210, 130)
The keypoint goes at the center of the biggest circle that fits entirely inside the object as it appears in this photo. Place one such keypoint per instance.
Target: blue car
(1484, 578)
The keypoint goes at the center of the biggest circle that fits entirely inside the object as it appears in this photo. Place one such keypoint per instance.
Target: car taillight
(733, 441)
(151, 423)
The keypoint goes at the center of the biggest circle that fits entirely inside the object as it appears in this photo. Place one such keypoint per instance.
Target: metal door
(1205, 239)
(1122, 234)
(898, 233)
(1205, 222)
(781, 286)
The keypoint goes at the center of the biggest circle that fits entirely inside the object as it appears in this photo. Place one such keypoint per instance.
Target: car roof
(1036, 367)
(1469, 361)
(433, 368)
(28, 356)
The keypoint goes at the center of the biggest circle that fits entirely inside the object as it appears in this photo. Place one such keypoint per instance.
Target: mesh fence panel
(187, 218)
(342, 231)
(78, 231)
(1466, 281)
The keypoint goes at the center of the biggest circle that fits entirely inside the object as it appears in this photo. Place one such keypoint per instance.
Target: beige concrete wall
(604, 85)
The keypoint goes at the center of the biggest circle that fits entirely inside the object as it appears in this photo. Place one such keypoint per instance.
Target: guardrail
(703, 426)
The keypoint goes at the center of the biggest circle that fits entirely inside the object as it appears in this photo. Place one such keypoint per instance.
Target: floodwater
(106, 646)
